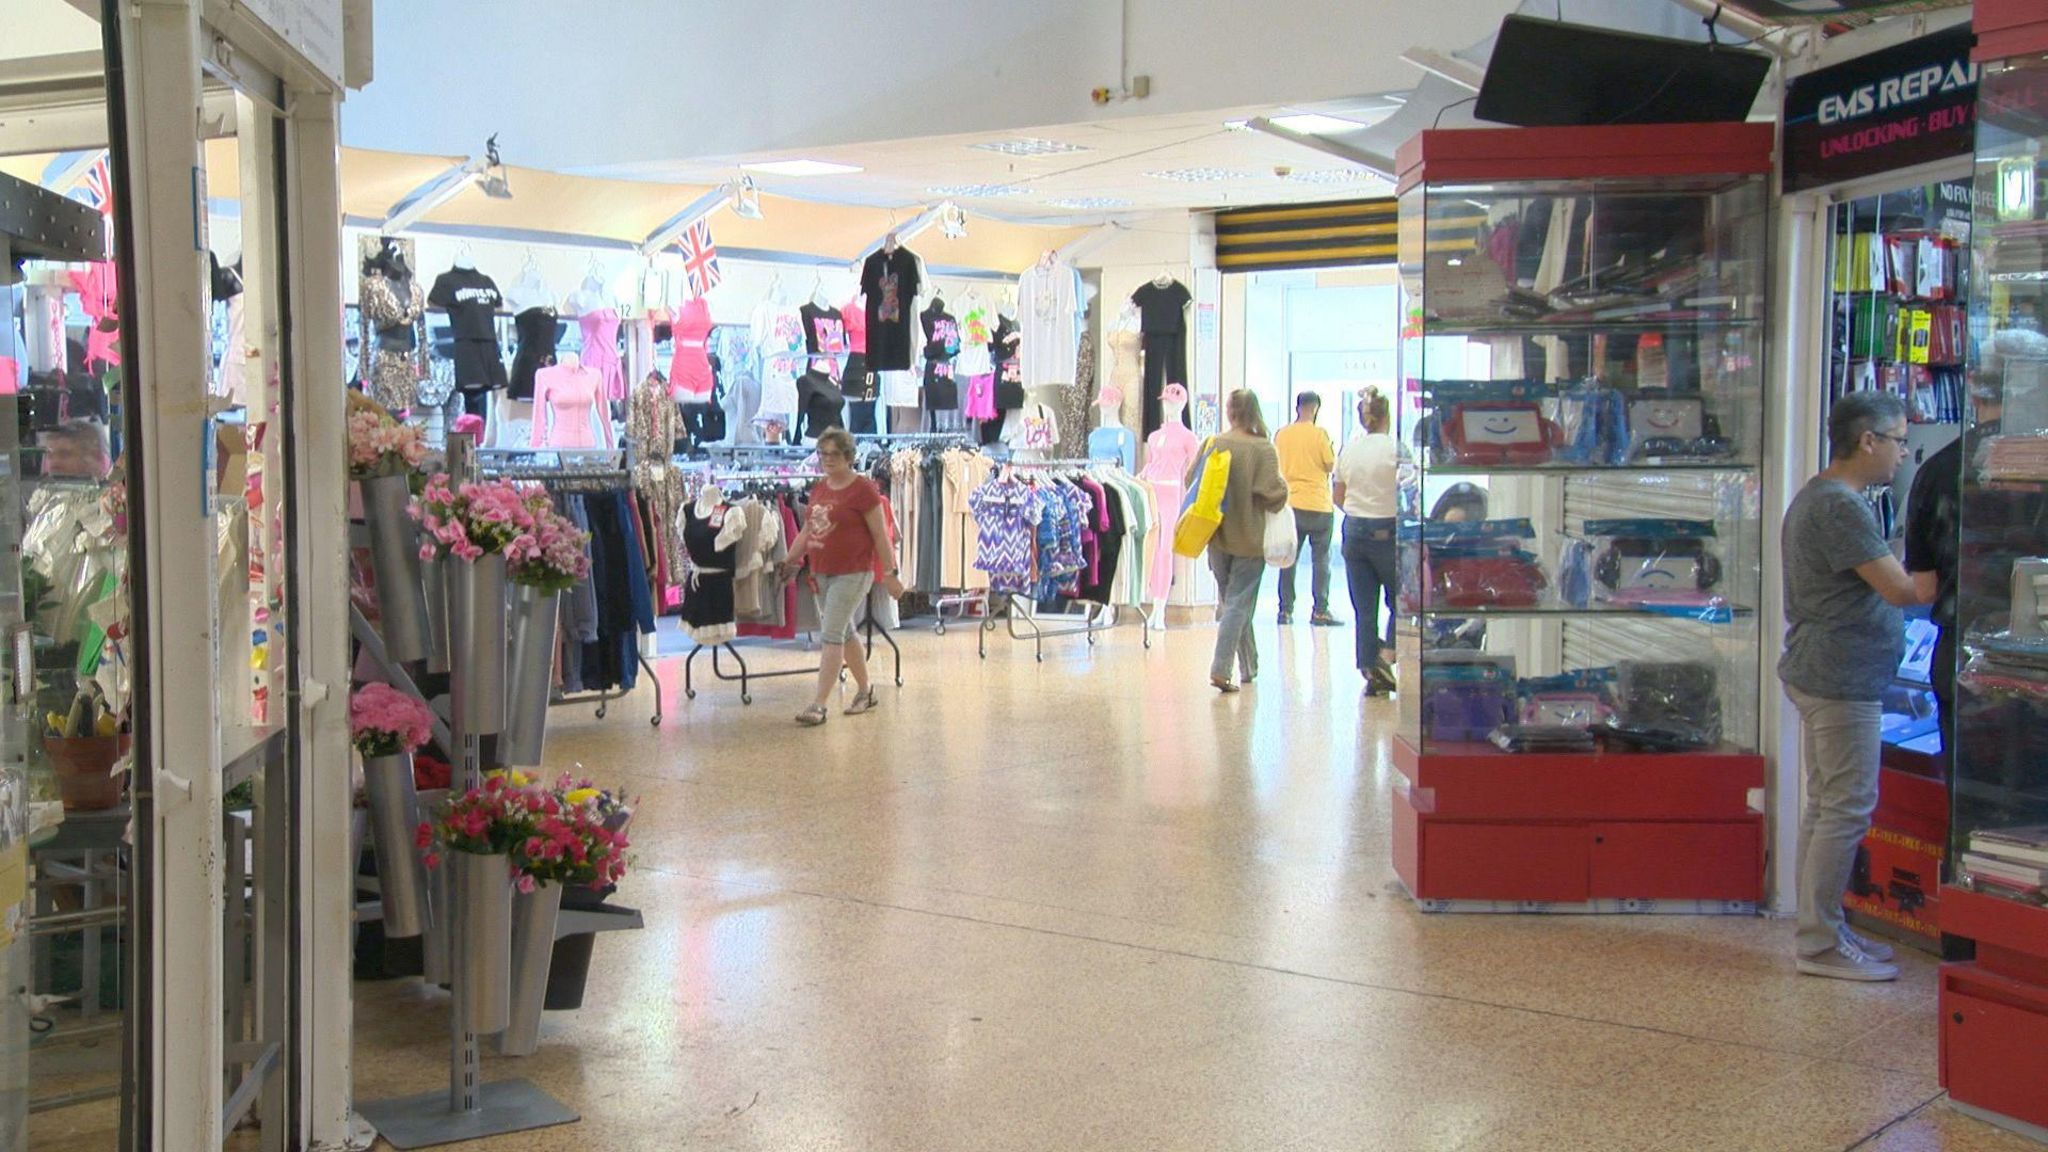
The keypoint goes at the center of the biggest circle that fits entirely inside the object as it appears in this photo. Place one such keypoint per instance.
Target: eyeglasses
(1901, 441)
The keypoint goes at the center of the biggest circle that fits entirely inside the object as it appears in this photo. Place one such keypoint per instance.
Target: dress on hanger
(1049, 312)
(1126, 373)
(601, 351)
(395, 309)
(537, 330)
(708, 608)
(567, 408)
(690, 378)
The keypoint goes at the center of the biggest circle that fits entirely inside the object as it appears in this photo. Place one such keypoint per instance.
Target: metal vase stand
(470, 1109)
(747, 676)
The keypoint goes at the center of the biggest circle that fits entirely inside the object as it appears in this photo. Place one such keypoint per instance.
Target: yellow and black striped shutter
(1306, 236)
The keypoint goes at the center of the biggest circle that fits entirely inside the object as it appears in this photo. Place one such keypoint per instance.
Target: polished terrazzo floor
(1089, 904)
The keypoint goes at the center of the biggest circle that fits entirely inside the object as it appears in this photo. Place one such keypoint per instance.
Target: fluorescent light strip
(1316, 124)
(1088, 203)
(1028, 146)
(801, 168)
(977, 191)
(1200, 175)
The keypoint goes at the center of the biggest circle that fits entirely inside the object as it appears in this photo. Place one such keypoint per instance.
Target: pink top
(565, 408)
(689, 371)
(1169, 451)
(601, 350)
(854, 314)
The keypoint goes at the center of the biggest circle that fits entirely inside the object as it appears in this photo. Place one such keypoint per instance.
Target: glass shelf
(1651, 467)
(1685, 615)
(1589, 327)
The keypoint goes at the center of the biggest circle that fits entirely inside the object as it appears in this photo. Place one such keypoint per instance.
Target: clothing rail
(912, 438)
(616, 459)
(1097, 618)
(868, 626)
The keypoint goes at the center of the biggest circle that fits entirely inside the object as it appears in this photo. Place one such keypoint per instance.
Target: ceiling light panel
(802, 168)
(977, 191)
(1316, 124)
(1089, 203)
(1200, 175)
(1028, 146)
(1327, 176)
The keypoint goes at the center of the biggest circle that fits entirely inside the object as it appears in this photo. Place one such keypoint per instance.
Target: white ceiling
(1137, 164)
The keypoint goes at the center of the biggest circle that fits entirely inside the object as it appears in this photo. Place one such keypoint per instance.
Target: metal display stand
(470, 1109)
(747, 675)
(1088, 623)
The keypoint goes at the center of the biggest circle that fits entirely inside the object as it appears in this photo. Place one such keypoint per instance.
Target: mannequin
(568, 406)
(1033, 431)
(1169, 452)
(598, 315)
(1111, 440)
(394, 311)
(691, 379)
(1126, 373)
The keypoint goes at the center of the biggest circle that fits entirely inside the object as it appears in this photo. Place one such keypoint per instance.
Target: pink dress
(854, 314)
(980, 400)
(689, 370)
(601, 351)
(1168, 454)
(566, 408)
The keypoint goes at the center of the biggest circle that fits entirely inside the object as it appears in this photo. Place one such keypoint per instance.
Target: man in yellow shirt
(1307, 457)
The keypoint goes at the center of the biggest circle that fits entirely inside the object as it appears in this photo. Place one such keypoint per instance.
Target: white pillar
(178, 784)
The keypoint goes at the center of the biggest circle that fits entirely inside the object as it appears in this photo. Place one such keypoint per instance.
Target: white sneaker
(1875, 949)
(1845, 961)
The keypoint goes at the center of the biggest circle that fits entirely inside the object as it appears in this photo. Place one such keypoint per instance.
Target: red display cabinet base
(1896, 888)
(1994, 1011)
(1480, 830)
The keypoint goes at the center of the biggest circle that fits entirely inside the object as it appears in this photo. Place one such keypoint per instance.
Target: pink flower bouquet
(381, 446)
(497, 818)
(471, 520)
(552, 555)
(382, 721)
(575, 839)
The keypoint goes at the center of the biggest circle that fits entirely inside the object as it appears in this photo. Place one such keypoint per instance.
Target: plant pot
(395, 558)
(476, 644)
(529, 669)
(483, 939)
(84, 766)
(434, 580)
(534, 915)
(394, 821)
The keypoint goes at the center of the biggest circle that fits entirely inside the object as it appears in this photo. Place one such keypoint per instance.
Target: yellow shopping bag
(1203, 512)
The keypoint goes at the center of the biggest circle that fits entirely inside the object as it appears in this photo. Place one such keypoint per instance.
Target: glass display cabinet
(1583, 366)
(1994, 995)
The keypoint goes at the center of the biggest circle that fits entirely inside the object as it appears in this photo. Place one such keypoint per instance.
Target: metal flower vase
(394, 821)
(476, 641)
(530, 671)
(395, 559)
(483, 936)
(534, 915)
(434, 575)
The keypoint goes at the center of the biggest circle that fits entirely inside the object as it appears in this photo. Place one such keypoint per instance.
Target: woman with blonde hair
(1237, 553)
(1372, 472)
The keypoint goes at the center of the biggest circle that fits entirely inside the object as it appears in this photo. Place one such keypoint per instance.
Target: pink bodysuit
(1168, 453)
(566, 408)
(601, 351)
(854, 314)
(689, 370)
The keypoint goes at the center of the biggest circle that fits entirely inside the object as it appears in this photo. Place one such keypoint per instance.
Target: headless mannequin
(1111, 440)
(1033, 431)
(1168, 453)
(548, 431)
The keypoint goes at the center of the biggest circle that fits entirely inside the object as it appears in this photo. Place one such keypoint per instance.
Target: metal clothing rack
(573, 478)
(869, 627)
(1087, 623)
(961, 598)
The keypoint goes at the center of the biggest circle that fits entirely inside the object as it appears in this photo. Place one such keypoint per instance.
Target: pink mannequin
(1168, 453)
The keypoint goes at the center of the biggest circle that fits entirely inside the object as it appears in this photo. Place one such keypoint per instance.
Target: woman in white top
(1371, 473)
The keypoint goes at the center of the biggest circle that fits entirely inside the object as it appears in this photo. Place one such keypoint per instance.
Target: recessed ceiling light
(976, 191)
(1088, 203)
(1028, 146)
(1326, 175)
(802, 168)
(1200, 175)
(1315, 124)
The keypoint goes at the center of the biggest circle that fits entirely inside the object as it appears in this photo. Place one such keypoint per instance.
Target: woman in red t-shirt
(843, 538)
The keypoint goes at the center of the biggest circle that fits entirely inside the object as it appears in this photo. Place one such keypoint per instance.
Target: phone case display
(1583, 361)
(1994, 1007)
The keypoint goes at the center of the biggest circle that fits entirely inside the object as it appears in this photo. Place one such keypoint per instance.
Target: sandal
(811, 717)
(1224, 686)
(863, 701)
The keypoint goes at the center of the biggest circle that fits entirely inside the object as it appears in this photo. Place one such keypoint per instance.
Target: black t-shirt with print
(1162, 308)
(471, 300)
(890, 281)
(824, 331)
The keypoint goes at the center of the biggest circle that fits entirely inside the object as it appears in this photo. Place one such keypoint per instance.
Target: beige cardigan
(1255, 490)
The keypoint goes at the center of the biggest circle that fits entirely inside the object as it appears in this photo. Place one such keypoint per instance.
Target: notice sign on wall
(1907, 105)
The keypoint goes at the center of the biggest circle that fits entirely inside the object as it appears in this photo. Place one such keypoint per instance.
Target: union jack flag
(98, 186)
(700, 258)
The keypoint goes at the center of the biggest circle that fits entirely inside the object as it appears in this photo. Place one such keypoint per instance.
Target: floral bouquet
(553, 555)
(471, 520)
(382, 721)
(497, 818)
(381, 446)
(573, 841)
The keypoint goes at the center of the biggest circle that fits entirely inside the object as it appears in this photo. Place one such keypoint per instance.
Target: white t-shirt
(1049, 313)
(1370, 469)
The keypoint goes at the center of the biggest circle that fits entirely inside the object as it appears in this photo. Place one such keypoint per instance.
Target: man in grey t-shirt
(1843, 594)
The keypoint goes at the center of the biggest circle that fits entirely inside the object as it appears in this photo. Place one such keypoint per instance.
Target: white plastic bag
(1282, 540)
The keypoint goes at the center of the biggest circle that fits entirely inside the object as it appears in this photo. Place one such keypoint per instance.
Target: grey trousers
(1840, 746)
(1237, 587)
(1313, 529)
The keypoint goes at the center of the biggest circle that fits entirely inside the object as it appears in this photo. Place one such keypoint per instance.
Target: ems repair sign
(1907, 105)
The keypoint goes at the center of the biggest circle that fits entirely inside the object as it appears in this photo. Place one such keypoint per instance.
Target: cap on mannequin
(1174, 397)
(1111, 401)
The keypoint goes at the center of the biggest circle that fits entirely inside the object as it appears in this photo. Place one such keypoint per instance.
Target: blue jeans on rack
(1237, 588)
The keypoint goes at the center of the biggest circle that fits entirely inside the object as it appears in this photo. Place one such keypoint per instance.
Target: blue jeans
(1237, 587)
(1370, 568)
(1312, 530)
